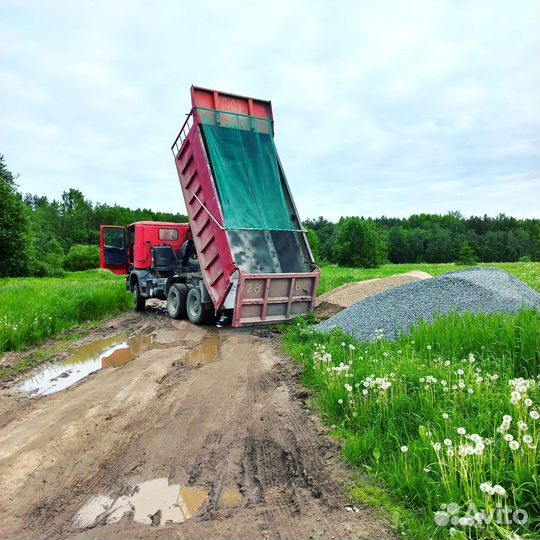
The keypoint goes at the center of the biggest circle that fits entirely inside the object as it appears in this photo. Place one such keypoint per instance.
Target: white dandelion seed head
(485, 486)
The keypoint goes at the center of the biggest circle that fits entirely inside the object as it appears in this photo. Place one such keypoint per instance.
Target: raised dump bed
(252, 249)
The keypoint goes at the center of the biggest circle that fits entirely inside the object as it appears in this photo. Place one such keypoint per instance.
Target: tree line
(43, 237)
(430, 238)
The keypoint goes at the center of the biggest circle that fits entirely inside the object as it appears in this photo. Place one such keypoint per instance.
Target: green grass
(34, 309)
(333, 276)
(414, 394)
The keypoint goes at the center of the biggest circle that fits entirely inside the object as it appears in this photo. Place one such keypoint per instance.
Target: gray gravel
(476, 290)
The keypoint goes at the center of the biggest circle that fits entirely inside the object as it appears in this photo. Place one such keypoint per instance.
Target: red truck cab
(122, 250)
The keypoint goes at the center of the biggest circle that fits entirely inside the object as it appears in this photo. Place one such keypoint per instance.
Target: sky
(381, 107)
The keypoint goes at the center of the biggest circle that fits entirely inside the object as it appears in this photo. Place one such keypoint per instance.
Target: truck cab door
(113, 250)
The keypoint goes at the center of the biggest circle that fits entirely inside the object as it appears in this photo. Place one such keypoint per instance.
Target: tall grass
(333, 276)
(445, 416)
(33, 309)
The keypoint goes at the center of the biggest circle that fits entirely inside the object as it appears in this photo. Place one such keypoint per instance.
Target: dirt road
(198, 433)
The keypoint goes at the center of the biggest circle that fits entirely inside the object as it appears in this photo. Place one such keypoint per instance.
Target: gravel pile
(485, 290)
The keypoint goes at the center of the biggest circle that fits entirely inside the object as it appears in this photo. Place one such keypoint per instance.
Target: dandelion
(527, 439)
(447, 442)
(485, 487)
(499, 490)
(514, 445)
(508, 437)
(351, 347)
(528, 402)
(460, 372)
(428, 347)
(404, 449)
(534, 415)
(340, 401)
(461, 431)
(450, 452)
(445, 416)
(470, 391)
(437, 447)
(522, 426)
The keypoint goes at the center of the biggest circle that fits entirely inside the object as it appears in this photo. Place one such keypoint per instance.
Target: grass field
(447, 415)
(333, 276)
(33, 309)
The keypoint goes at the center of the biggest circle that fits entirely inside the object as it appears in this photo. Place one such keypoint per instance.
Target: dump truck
(244, 256)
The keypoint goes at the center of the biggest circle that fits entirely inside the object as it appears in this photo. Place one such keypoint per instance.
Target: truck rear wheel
(177, 300)
(197, 312)
(140, 300)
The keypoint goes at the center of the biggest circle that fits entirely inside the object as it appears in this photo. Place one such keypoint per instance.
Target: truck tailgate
(265, 298)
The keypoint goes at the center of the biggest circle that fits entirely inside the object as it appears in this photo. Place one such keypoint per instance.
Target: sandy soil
(332, 302)
(235, 428)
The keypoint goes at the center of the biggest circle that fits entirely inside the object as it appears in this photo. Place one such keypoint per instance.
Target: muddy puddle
(154, 502)
(231, 497)
(109, 352)
(205, 353)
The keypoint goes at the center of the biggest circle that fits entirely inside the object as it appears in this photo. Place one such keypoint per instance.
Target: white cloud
(381, 108)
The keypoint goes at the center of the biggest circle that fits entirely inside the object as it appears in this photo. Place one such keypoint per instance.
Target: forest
(434, 238)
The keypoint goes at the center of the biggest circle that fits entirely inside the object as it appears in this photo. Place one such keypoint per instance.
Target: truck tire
(140, 300)
(197, 312)
(177, 300)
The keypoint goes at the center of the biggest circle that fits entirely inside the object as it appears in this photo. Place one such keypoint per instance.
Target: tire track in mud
(231, 425)
(136, 424)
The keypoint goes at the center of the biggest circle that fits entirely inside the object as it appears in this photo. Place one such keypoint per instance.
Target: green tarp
(245, 166)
